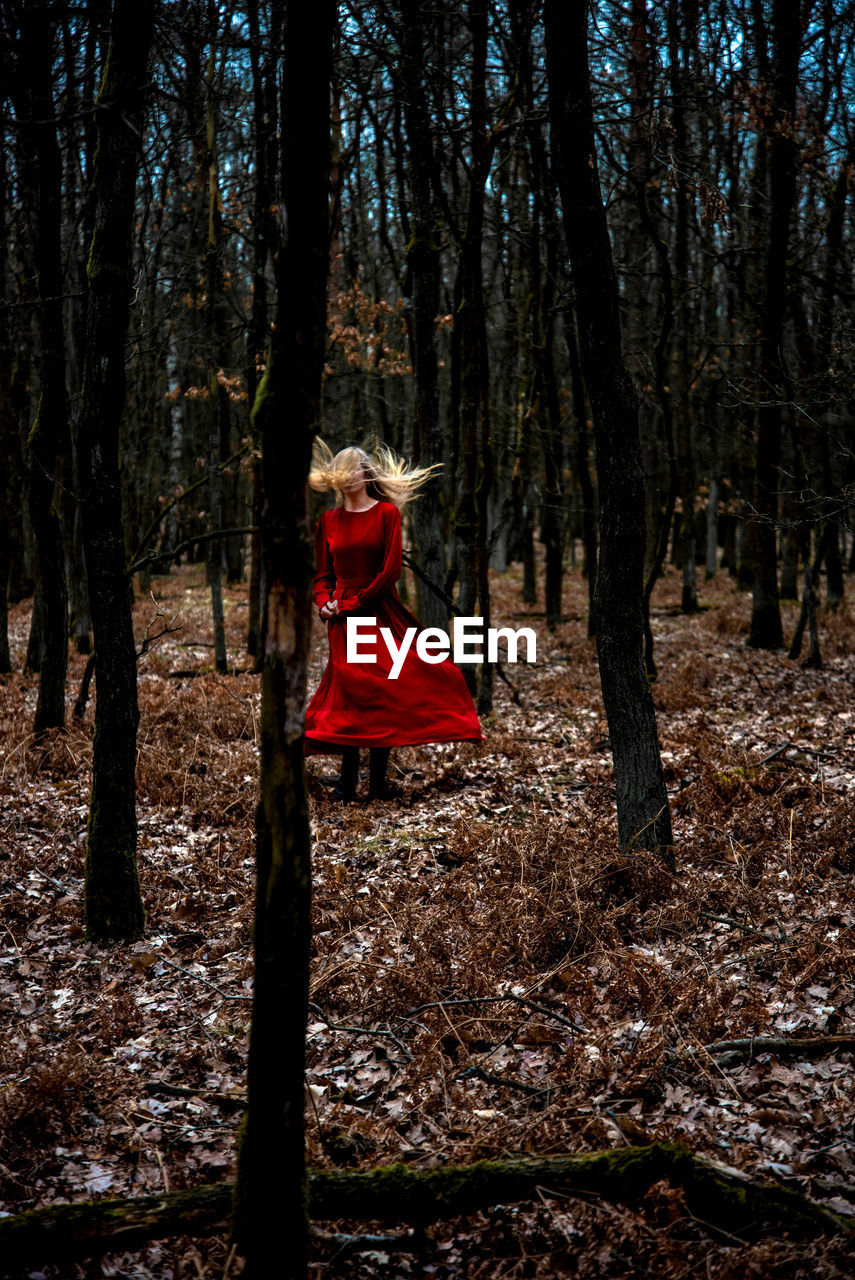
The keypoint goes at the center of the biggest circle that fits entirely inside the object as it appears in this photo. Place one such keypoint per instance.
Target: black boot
(346, 788)
(377, 787)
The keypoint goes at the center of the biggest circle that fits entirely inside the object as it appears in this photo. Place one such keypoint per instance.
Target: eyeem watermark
(433, 645)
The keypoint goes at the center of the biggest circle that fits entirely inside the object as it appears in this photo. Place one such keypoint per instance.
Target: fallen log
(716, 1194)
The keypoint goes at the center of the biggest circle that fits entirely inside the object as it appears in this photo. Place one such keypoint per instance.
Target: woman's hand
(329, 610)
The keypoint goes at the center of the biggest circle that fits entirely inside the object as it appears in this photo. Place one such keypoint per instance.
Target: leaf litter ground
(489, 976)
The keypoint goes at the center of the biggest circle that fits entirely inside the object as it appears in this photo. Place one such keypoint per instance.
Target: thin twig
(521, 1000)
(198, 977)
(360, 1031)
(506, 1082)
(746, 928)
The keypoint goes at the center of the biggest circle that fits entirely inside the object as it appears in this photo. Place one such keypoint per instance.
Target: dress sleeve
(390, 570)
(324, 574)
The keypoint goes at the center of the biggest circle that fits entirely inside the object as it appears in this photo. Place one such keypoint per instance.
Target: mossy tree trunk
(41, 172)
(720, 1197)
(272, 1188)
(643, 815)
(114, 909)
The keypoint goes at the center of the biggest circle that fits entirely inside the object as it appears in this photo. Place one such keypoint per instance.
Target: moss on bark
(724, 1198)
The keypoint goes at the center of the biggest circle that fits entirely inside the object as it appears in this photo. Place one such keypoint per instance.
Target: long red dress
(358, 562)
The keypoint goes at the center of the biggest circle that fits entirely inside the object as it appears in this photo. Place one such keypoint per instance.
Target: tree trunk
(272, 1192)
(552, 437)
(711, 559)
(766, 629)
(721, 1197)
(8, 431)
(682, 38)
(43, 170)
(218, 400)
(643, 815)
(423, 267)
(587, 496)
(264, 141)
(114, 909)
(476, 446)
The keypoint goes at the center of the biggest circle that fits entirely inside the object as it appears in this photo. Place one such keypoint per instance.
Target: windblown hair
(387, 477)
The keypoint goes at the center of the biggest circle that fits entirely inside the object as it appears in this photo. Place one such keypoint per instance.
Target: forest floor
(489, 975)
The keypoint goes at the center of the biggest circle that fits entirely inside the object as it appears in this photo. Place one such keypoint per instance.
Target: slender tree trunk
(711, 559)
(114, 909)
(643, 815)
(766, 629)
(587, 495)
(476, 446)
(218, 400)
(552, 437)
(43, 169)
(682, 33)
(824, 348)
(424, 273)
(8, 432)
(272, 1191)
(807, 617)
(264, 136)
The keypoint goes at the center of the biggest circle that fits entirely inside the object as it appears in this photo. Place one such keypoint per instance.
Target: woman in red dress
(358, 562)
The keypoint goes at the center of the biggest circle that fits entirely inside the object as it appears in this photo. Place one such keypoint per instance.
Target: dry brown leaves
(489, 976)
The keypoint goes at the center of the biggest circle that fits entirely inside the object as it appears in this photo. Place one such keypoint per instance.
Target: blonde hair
(386, 476)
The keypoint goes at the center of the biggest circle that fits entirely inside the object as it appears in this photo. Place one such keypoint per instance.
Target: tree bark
(682, 39)
(476, 446)
(272, 1189)
(8, 431)
(643, 815)
(766, 628)
(43, 169)
(720, 1196)
(264, 135)
(423, 268)
(114, 909)
(215, 322)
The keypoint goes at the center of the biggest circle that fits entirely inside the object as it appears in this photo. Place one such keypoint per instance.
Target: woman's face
(357, 481)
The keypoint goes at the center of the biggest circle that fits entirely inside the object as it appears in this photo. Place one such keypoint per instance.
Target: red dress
(358, 562)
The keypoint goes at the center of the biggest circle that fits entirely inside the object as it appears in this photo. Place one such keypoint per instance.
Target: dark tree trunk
(264, 142)
(78, 222)
(114, 909)
(476, 445)
(43, 168)
(216, 319)
(682, 37)
(272, 1192)
(810, 593)
(552, 436)
(587, 495)
(8, 432)
(643, 815)
(766, 629)
(824, 348)
(424, 273)
(545, 382)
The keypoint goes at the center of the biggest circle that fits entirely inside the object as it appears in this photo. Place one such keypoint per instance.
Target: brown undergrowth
(489, 975)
